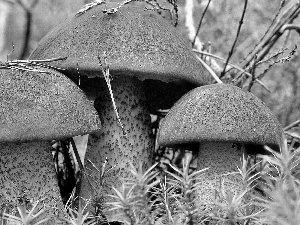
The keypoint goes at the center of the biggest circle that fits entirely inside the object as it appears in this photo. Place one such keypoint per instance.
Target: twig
(234, 66)
(81, 167)
(114, 10)
(28, 8)
(30, 65)
(294, 124)
(236, 38)
(89, 6)
(200, 23)
(212, 73)
(106, 74)
(282, 60)
(269, 28)
(272, 56)
(293, 135)
(290, 27)
(253, 78)
(38, 60)
(238, 78)
(175, 6)
(189, 23)
(264, 47)
(156, 6)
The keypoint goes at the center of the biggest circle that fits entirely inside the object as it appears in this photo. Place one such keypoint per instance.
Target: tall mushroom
(141, 49)
(35, 108)
(217, 119)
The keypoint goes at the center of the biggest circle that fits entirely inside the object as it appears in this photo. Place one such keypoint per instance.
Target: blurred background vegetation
(24, 22)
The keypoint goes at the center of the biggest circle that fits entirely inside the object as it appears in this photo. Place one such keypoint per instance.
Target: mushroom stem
(136, 147)
(27, 175)
(221, 158)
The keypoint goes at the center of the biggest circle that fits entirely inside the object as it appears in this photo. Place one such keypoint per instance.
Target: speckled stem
(221, 158)
(137, 147)
(27, 172)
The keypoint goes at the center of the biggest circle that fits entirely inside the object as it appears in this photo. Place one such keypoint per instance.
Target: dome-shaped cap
(136, 41)
(220, 113)
(43, 106)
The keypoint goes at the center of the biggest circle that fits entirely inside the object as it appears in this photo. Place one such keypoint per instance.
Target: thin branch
(106, 74)
(281, 60)
(30, 65)
(292, 134)
(212, 73)
(236, 38)
(290, 27)
(189, 23)
(270, 39)
(115, 9)
(269, 28)
(81, 167)
(28, 24)
(294, 124)
(38, 60)
(159, 8)
(200, 23)
(253, 78)
(271, 57)
(89, 6)
(234, 66)
(27, 34)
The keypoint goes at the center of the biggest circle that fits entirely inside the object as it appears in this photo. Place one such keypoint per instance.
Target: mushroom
(142, 51)
(222, 122)
(37, 106)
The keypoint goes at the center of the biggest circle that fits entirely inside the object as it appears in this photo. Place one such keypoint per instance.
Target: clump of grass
(270, 194)
(26, 217)
(238, 208)
(153, 197)
(78, 216)
(132, 200)
(281, 185)
(187, 185)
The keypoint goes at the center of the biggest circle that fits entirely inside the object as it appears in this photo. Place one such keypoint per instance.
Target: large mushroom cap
(136, 41)
(220, 113)
(43, 106)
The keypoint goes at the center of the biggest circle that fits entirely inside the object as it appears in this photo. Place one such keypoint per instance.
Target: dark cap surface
(43, 106)
(220, 113)
(135, 40)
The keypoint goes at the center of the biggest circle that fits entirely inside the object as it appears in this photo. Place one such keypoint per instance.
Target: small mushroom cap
(220, 113)
(43, 106)
(136, 41)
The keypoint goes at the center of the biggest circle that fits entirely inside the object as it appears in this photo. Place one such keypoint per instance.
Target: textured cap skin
(38, 106)
(220, 113)
(136, 41)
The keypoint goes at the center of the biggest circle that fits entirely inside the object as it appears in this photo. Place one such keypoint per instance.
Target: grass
(25, 217)
(270, 195)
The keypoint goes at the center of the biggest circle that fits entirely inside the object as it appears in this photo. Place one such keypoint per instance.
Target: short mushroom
(223, 122)
(35, 108)
(139, 46)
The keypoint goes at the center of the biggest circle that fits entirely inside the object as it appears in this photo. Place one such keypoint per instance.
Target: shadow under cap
(220, 113)
(43, 106)
(135, 40)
